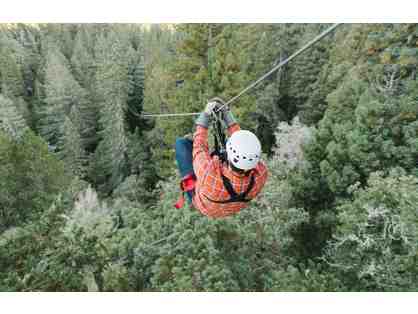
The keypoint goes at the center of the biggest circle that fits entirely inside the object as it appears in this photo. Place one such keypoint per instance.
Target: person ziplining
(220, 185)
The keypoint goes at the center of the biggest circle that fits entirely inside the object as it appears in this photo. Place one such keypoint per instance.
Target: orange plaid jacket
(209, 184)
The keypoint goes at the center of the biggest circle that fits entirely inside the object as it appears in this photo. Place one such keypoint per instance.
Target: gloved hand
(211, 107)
(221, 104)
(214, 105)
(227, 115)
(204, 117)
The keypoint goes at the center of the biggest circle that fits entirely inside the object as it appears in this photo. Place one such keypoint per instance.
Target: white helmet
(243, 150)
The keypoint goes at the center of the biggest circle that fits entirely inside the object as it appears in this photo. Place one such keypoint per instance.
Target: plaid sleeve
(201, 156)
(261, 179)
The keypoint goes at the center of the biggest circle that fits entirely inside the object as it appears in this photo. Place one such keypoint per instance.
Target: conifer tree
(135, 99)
(72, 152)
(83, 66)
(229, 76)
(31, 179)
(193, 68)
(368, 126)
(113, 87)
(82, 59)
(61, 35)
(12, 65)
(10, 69)
(160, 86)
(11, 121)
(304, 78)
(62, 92)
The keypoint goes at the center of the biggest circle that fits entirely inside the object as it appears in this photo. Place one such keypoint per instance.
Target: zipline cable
(262, 78)
(146, 115)
(301, 50)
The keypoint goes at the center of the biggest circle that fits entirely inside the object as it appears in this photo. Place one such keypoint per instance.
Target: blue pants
(184, 158)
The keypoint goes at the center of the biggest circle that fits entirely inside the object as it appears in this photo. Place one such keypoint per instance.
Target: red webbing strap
(187, 184)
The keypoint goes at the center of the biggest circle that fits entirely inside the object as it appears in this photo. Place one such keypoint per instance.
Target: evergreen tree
(72, 152)
(83, 66)
(375, 245)
(228, 75)
(62, 93)
(12, 84)
(304, 76)
(31, 179)
(10, 69)
(11, 121)
(160, 85)
(82, 59)
(113, 86)
(338, 212)
(369, 125)
(193, 68)
(135, 100)
(278, 96)
(61, 36)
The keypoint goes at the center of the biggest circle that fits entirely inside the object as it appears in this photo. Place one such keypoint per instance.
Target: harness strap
(187, 184)
(219, 138)
(234, 196)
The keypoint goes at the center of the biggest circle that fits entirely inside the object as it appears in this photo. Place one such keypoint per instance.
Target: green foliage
(72, 152)
(11, 77)
(82, 59)
(31, 177)
(375, 246)
(139, 185)
(11, 121)
(62, 94)
(338, 212)
(83, 66)
(311, 278)
(113, 88)
(369, 125)
(365, 131)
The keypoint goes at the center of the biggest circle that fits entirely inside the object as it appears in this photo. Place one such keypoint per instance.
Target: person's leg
(184, 158)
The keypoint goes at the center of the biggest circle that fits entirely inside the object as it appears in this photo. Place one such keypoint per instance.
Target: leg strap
(187, 184)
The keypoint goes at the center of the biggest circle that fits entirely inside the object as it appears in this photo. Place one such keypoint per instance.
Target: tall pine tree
(62, 92)
(11, 121)
(113, 87)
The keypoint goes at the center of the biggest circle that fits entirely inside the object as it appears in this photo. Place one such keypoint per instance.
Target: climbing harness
(220, 151)
(234, 197)
(219, 137)
(262, 78)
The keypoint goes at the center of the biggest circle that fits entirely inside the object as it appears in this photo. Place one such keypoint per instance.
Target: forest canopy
(88, 183)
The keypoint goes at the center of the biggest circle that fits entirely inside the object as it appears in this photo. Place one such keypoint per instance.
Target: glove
(221, 104)
(229, 118)
(211, 107)
(204, 118)
(227, 115)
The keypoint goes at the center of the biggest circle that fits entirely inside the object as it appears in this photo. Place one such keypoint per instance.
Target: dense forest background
(88, 185)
